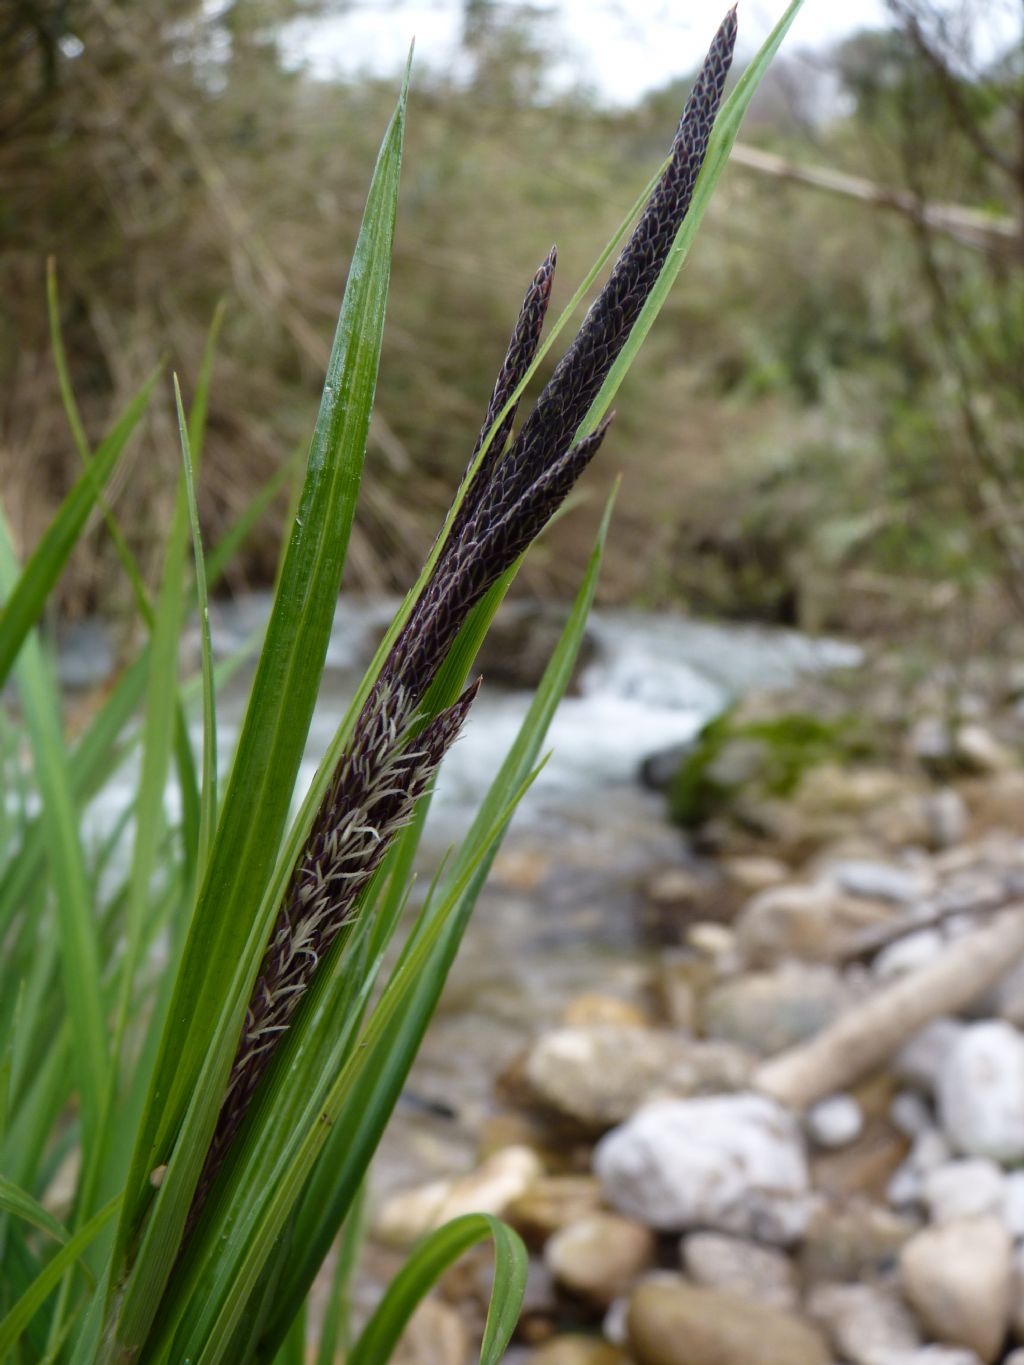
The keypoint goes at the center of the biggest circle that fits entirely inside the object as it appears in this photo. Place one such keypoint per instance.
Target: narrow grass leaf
(201, 397)
(14, 1200)
(334, 1332)
(77, 931)
(396, 1029)
(425, 1266)
(16, 1321)
(60, 364)
(26, 600)
(293, 1349)
(222, 953)
(158, 727)
(208, 805)
(129, 564)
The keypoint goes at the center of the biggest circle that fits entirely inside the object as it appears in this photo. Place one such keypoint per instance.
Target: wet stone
(958, 1279)
(717, 1261)
(601, 1074)
(768, 1012)
(677, 1324)
(863, 1321)
(599, 1257)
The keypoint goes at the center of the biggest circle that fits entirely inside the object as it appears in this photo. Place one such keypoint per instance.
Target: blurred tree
(954, 123)
(830, 397)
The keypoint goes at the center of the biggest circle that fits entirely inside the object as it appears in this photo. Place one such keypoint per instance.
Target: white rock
(981, 1092)
(835, 1121)
(931, 742)
(814, 923)
(947, 817)
(930, 1151)
(918, 1062)
(863, 1321)
(958, 1279)
(754, 873)
(735, 1163)
(910, 1114)
(969, 921)
(614, 1326)
(907, 1184)
(908, 954)
(767, 1012)
(979, 750)
(879, 881)
(964, 1189)
(435, 1333)
(905, 1189)
(718, 1261)
(713, 940)
(1013, 1208)
(407, 1215)
(504, 1176)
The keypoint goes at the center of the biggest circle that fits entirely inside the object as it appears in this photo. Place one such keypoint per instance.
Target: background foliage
(857, 429)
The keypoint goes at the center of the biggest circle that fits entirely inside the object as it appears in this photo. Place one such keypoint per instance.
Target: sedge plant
(202, 1038)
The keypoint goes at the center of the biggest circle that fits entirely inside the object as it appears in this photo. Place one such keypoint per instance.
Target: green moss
(768, 757)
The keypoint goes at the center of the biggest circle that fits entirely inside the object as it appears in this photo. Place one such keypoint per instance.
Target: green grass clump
(199, 1199)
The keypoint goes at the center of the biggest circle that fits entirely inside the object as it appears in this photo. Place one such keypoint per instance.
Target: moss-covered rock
(764, 758)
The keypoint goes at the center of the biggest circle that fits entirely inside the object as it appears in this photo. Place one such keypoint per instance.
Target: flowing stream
(564, 911)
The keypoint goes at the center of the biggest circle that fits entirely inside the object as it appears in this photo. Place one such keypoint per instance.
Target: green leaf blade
(723, 136)
(221, 948)
(27, 599)
(79, 946)
(427, 1263)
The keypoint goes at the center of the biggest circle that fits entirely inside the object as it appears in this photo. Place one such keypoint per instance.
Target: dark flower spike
(580, 373)
(390, 761)
(567, 397)
(475, 565)
(521, 349)
(372, 796)
(524, 522)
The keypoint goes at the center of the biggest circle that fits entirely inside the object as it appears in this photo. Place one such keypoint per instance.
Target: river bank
(761, 1104)
(643, 1057)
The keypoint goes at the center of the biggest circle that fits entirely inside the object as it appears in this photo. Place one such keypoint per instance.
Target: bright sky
(621, 48)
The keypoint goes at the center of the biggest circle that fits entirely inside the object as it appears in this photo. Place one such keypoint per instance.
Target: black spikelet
(372, 796)
(393, 756)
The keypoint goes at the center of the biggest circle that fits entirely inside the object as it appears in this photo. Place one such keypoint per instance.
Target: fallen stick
(995, 233)
(871, 1031)
(874, 939)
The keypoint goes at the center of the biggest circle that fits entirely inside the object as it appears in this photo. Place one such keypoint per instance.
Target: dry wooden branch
(999, 235)
(870, 1032)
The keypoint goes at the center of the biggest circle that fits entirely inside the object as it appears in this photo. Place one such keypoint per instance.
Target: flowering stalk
(514, 491)
(372, 795)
